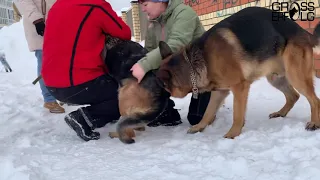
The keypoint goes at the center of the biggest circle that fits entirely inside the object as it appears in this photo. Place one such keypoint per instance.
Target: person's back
(74, 39)
(73, 68)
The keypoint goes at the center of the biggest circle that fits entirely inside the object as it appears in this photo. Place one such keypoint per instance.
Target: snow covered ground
(37, 145)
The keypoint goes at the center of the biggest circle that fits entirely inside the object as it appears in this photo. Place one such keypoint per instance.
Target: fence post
(136, 20)
(124, 16)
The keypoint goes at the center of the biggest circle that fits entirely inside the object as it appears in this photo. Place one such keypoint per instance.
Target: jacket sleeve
(29, 10)
(113, 25)
(181, 34)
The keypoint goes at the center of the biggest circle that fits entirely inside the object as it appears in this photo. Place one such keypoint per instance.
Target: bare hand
(138, 72)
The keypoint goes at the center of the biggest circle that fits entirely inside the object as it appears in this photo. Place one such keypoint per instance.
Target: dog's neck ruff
(195, 90)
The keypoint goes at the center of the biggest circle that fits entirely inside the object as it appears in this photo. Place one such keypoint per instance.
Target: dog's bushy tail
(316, 33)
(126, 123)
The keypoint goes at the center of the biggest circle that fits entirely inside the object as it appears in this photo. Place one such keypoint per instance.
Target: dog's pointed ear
(165, 50)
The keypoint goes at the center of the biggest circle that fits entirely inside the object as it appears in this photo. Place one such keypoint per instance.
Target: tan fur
(133, 100)
(229, 67)
(129, 132)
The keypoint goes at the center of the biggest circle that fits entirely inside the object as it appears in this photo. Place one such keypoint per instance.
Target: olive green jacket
(177, 26)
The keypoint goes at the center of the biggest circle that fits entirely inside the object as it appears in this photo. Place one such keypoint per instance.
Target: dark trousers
(100, 94)
(198, 107)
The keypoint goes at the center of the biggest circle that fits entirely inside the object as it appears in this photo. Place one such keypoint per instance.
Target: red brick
(316, 56)
(210, 9)
(314, 23)
(206, 4)
(310, 30)
(237, 3)
(317, 64)
(201, 12)
(220, 6)
(200, 5)
(204, 11)
(318, 74)
(215, 7)
(246, 1)
(304, 24)
(195, 7)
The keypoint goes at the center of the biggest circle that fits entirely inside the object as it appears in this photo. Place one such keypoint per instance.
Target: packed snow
(37, 145)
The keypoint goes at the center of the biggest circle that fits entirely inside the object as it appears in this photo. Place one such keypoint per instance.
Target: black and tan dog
(139, 103)
(236, 52)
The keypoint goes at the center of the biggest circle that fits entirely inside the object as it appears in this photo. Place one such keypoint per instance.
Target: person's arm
(29, 10)
(112, 24)
(181, 34)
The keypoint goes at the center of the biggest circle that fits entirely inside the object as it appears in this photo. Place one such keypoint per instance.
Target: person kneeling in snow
(73, 68)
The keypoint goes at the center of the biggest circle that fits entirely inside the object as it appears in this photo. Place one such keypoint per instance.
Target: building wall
(6, 13)
(211, 12)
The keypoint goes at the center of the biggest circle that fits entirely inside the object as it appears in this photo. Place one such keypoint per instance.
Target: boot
(54, 107)
(170, 117)
(77, 122)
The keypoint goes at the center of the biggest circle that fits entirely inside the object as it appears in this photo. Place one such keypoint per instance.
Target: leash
(162, 111)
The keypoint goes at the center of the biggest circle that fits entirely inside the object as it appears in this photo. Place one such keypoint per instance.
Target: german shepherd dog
(139, 103)
(236, 52)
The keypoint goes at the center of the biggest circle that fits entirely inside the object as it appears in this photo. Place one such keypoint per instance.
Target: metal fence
(6, 12)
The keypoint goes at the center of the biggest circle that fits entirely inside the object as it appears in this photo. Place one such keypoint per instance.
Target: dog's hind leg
(298, 61)
(292, 96)
(216, 100)
(214, 104)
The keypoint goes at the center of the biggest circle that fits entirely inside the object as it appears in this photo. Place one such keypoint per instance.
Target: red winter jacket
(74, 39)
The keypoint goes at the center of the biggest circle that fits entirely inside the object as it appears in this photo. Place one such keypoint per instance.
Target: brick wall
(136, 20)
(211, 12)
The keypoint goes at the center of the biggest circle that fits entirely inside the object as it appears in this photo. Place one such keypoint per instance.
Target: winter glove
(39, 26)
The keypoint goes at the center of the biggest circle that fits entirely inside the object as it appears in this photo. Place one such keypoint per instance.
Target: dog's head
(122, 56)
(174, 71)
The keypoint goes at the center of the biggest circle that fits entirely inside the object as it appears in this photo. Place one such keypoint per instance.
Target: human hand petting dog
(138, 72)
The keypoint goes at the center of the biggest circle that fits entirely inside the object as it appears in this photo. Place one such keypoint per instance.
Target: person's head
(153, 8)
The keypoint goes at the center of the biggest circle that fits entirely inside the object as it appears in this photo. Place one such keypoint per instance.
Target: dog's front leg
(214, 104)
(240, 93)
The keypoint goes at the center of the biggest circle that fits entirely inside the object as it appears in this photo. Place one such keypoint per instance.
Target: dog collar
(195, 90)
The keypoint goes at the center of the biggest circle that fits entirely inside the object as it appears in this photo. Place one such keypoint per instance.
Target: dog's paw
(113, 135)
(196, 128)
(312, 126)
(276, 114)
(127, 140)
(233, 132)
